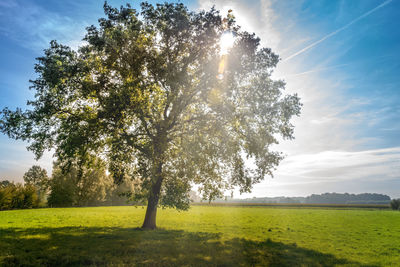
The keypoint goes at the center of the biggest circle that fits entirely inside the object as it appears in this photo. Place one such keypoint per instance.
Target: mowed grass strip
(205, 235)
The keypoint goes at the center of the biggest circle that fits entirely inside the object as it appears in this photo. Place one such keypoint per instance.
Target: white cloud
(376, 171)
(342, 171)
(382, 163)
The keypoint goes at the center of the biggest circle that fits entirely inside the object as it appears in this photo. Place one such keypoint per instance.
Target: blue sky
(342, 57)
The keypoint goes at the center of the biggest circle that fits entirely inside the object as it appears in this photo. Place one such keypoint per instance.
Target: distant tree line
(326, 198)
(335, 198)
(74, 187)
(92, 186)
(17, 196)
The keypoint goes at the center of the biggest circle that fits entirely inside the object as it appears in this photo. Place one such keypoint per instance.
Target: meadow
(203, 236)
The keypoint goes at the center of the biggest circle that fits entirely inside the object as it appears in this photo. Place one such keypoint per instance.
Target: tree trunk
(154, 195)
(151, 213)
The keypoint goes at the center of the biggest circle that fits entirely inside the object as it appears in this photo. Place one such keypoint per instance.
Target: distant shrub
(68, 189)
(62, 190)
(6, 196)
(93, 188)
(17, 196)
(37, 178)
(395, 204)
(31, 199)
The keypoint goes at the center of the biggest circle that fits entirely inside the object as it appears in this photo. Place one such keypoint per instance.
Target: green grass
(205, 235)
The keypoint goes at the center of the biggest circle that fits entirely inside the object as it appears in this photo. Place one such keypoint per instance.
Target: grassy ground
(217, 236)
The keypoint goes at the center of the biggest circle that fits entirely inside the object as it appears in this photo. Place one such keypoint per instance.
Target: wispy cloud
(321, 67)
(384, 163)
(337, 31)
(8, 3)
(318, 69)
(336, 171)
(33, 26)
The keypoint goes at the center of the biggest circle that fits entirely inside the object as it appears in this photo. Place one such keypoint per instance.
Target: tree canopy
(153, 95)
(37, 177)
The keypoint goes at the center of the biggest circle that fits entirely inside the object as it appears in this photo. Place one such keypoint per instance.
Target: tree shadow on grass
(94, 246)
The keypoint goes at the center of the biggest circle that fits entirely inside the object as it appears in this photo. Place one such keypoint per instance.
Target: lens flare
(226, 42)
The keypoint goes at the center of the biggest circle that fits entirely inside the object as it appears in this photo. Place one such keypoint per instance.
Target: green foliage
(17, 196)
(395, 204)
(87, 185)
(37, 178)
(203, 236)
(177, 192)
(79, 186)
(4, 183)
(6, 194)
(123, 193)
(62, 190)
(152, 95)
(25, 197)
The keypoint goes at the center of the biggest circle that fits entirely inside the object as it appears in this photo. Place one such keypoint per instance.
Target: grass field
(205, 235)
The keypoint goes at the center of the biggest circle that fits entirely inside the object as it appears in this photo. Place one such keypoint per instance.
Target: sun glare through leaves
(226, 42)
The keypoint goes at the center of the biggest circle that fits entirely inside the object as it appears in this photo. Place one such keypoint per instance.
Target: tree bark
(154, 195)
(151, 211)
(150, 218)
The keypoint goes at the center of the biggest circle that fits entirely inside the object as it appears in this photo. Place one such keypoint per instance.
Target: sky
(341, 57)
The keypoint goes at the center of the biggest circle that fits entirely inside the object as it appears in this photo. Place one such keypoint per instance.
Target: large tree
(159, 97)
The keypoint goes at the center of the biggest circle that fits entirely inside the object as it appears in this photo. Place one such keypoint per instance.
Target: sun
(226, 42)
